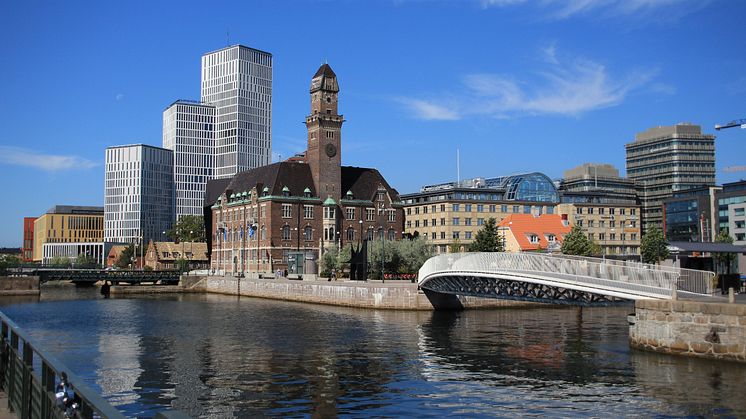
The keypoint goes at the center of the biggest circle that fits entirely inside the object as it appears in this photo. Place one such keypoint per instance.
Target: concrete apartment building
(452, 213)
(139, 194)
(188, 131)
(605, 205)
(669, 159)
(69, 231)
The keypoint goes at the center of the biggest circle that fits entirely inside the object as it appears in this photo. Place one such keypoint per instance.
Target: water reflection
(218, 356)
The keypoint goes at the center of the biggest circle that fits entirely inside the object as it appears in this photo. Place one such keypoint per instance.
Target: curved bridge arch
(556, 279)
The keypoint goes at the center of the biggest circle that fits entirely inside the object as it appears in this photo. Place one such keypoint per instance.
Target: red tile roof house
(528, 232)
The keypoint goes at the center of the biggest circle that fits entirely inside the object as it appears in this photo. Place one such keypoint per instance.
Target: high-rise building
(237, 80)
(139, 193)
(668, 159)
(188, 131)
(27, 251)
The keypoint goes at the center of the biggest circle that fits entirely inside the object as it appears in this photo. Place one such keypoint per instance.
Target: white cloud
(734, 169)
(565, 87)
(423, 109)
(565, 9)
(18, 156)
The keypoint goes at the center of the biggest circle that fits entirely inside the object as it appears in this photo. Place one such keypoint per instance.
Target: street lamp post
(383, 255)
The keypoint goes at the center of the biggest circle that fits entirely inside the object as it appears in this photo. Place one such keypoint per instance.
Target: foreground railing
(31, 391)
(594, 272)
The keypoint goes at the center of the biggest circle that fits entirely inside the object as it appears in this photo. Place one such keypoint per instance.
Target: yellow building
(68, 224)
(614, 227)
(449, 215)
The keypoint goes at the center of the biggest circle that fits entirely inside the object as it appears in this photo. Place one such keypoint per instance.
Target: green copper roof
(244, 193)
(285, 189)
(233, 195)
(306, 190)
(330, 201)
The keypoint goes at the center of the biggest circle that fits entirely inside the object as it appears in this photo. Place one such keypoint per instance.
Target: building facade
(165, 255)
(72, 251)
(67, 224)
(604, 205)
(27, 250)
(188, 131)
(139, 194)
(451, 214)
(669, 159)
(285, 215)
(731, 201)
(691, 215)
(237, 80)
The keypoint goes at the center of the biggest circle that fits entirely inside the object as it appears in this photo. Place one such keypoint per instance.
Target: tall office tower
(238, 81)
(188, 129)
(139, 193)
(668, 159)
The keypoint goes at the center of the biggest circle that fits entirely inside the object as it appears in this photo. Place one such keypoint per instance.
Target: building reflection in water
(219, 356)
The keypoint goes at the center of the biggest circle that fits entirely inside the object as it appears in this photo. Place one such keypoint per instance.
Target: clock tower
(324, 124)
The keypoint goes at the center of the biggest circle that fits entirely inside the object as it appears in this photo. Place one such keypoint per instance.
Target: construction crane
(737, 123)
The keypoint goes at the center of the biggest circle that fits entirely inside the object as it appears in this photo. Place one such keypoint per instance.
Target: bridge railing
(591, 271)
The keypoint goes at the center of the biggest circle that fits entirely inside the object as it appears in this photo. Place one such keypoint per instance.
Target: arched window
(370, 234)
(331, 233)
(392, 234)
(308, 233)
(380, 233)
(264, 233)
(351, 234)
(286, 232)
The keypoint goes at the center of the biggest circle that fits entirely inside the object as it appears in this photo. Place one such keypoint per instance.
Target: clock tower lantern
(324, 124)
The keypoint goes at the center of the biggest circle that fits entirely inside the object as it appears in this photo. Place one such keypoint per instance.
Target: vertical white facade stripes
(139, 194)
(238, 81)
(188, 131)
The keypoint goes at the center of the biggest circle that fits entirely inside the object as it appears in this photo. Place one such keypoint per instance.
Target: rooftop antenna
(458, 168)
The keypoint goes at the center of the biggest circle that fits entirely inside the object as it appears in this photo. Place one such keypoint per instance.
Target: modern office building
(285, 215)
(188, 131)
(237, 80)
(67, 224)
(450, 214)
(139, 194)
(691, 215)
(605, 205)
(27, 250)
(669, 159)
(71, 251)
(731, 201)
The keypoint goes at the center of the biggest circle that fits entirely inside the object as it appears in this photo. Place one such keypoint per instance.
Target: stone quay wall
(19, 285)
(389, 295)
(700, 329)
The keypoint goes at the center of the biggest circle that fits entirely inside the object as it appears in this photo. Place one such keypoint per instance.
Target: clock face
(331, 150)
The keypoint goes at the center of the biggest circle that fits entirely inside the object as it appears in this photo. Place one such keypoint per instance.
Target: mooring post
(731, 295)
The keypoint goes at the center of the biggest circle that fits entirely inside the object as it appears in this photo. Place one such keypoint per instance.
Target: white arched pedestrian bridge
(557, 279)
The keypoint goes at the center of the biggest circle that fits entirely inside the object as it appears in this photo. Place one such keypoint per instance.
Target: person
(285, 274)
(106, 289)
(334, 274)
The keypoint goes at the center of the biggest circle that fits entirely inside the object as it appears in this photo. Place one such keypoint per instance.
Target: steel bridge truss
(508, 289)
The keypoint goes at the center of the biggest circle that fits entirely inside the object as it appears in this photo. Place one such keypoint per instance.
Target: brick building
(27, 250)
(284, 215)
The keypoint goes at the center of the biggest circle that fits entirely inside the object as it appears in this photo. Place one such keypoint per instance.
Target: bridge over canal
(91, 276)
(558, 279)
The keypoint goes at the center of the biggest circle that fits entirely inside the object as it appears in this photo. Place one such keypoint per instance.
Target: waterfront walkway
(5, 413)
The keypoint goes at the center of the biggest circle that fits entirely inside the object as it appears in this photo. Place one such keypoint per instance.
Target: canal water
(221, 356)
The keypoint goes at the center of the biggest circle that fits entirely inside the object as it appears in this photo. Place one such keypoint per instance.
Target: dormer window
(307, 193)
(380, 195)
(265, 191)
(349, 195)
(533, 238)
(551, 238)
(285, 191)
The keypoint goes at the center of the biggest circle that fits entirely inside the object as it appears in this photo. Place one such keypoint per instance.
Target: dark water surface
(220, 356)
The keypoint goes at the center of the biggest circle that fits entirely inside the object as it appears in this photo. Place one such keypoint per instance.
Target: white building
(138, 193)
(72, 251)
(238, 81)
(188, 131)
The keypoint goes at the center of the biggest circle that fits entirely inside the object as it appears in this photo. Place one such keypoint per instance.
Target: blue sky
(515, 85)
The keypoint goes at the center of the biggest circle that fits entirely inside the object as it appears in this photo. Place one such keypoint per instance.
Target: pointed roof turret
(324, 79)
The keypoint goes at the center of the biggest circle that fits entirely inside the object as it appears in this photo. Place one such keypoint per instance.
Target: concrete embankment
(19, 285)
(389, 295)
(692, 328)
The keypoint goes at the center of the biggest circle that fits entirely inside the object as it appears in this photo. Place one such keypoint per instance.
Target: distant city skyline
(515, 86)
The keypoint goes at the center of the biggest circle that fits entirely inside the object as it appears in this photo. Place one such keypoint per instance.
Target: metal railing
(31, 391)
(597, 273)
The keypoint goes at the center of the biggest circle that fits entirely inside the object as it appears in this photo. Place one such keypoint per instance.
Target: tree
(125, 257)
(722, 257)
(60, 261)
(456, 246)
(85, 261)
(577, 243)
(182, 265)
(189, 228)
(487, 239)
(330, 261)
(653, 247)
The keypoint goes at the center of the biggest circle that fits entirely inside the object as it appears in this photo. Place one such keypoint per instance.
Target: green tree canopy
(182, 265)
(85, 261)
(577, 243)
(724, 258)
(487, 239)
(653, 247)
(189, 228)
(125, 257)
